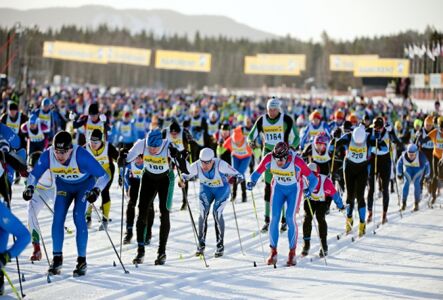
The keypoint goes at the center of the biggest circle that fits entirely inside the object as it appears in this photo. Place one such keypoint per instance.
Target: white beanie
(273, 103)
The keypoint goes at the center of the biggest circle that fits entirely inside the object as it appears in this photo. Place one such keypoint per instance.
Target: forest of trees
(227, 58)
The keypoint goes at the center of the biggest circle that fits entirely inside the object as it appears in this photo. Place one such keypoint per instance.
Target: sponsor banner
(271, 65)
(338, 62)
(131, 56)
(382, 67)
(184, 61)
(75, 52)
(300, 59)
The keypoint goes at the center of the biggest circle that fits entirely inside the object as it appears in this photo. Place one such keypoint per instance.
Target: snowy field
(404, 259)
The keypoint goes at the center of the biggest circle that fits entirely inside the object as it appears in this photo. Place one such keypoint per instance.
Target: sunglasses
(281, 158)
(95, 142)
(206, 162)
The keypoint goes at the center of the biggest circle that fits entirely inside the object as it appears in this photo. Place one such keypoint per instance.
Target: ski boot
(384, 218)
(128, 237)
(272, 258)
(283, 227)
(219, 252)
(265, 227)
(103, 225)
(200, 250)
(369, 219)
(403, 206)
(291, 258)
(361, 229)
(349, 223)
(81, 267)
(306, 247)
(161, 259)
(140, 255)
(56, 265)
(37, 254)
(416, 206)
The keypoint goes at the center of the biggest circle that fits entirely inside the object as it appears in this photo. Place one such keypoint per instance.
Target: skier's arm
(400, 166)
(10, 137)
(306, 172)
(264, 165)
(11, 225)
(88, 164)
(80, 121)
(256, 129)
(40, 168)
(226, 169)
(332, 192)
(136, 150)
(304, 138)
(291, 132)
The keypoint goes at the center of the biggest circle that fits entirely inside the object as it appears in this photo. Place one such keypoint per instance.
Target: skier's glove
(337, 133)
(240, 178)
(400, 176)
(120, 180)
(252, 144)
(250, 185)
(92, 195)
(173, 151)
(28, 192)
(428, 180)
(102, 117)
(440, 163)
(121, 160)
(4, 146)
(307, 194)
(4, 258)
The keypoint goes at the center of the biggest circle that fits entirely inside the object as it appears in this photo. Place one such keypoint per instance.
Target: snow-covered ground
(404, 259)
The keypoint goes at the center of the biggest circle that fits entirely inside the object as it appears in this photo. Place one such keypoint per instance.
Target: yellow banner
(76, 52)
(271, 65)
(338, 62)
(184, 61)
(131, 56)
(300, 59)
(382, 67)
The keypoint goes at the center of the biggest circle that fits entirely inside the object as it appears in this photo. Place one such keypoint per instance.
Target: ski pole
(333, 158)
(122, 170)
(396, 185)
(110, 240)
(191, 216)
(67, 229)
(258, 227)
(238, 230)
(375, 176)
(11, 284)
(316, 229)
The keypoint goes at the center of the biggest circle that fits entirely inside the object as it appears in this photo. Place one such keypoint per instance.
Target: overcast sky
(342, 19)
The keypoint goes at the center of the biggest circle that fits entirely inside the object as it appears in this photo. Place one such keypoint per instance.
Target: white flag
(411, 52)
(429, 53)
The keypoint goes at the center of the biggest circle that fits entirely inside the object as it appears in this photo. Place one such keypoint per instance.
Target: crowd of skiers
(311, 151)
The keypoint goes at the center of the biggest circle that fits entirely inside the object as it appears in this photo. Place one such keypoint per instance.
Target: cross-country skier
(79, 178)
(288, 171)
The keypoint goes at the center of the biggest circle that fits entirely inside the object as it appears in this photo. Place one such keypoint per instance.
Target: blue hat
(33, 119)
(155, 138)
(412, 148)
(46, 102)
